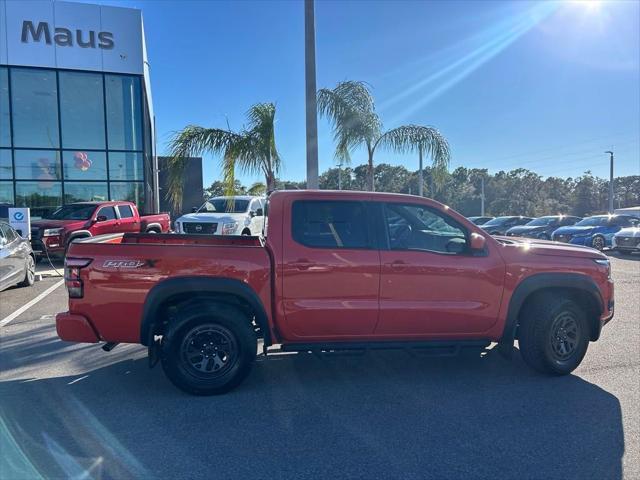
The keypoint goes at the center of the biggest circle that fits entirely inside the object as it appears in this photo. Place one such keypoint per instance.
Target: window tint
(35, 108)
(414, 227)
(81, 110)
(330, 224)
(124, 125)
(125, 211)
(9, 233)
(5, 124)
(108, 212)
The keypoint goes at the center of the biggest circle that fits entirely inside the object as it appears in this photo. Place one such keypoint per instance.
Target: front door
(330, 270)
(106, 221)
(431, 284)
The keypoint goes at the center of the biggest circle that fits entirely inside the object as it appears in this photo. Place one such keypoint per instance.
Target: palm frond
(412, 138)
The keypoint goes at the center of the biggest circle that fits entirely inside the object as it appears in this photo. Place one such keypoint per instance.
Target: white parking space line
(30, 304)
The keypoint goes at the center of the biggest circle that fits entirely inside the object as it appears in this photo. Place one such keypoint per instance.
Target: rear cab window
(331, 224)
(125, 211)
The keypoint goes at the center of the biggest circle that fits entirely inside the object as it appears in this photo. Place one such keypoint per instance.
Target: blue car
(596, 231)
(542, 227)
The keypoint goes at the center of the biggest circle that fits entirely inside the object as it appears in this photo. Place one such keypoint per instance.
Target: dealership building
(76, 117)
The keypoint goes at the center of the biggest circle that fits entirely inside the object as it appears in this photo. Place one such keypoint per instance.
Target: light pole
(310, 93)
(482, 196)
(610, 180)
(420, 181)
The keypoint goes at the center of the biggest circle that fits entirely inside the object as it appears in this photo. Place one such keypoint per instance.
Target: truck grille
(562, 238)
(201, 228)
(627, 241)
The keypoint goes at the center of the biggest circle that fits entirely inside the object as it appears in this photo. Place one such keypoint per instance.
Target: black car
(17, 262)
(500, 225)
(480, 220)
(542, 227)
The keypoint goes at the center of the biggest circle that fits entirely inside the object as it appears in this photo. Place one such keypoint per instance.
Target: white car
(239, 215)
(627, 240)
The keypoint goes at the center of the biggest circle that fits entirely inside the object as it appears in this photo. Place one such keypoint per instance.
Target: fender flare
(78, 234)
(201, 285)
(150, 226)
(541, 281)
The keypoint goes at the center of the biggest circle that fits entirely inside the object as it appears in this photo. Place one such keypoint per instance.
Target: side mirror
(252, 213)
(478, 242)
(259, 213)
(101, 218)
(194, 209)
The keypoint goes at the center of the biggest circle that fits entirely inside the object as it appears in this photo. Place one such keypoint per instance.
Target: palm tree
(252, 150)
(351, 109)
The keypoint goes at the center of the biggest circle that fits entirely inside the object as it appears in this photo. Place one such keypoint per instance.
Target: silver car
(17, 262)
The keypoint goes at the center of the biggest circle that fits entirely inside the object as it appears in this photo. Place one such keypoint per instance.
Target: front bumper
(75, 328)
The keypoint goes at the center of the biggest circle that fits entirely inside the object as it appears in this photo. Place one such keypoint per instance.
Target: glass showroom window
(42, 197)
(5, 123)
(6, 165)
(34, 101)
(80, 165)
(85, 192)
(37, 164)
(126, 166)
(6, 193)
(82, 110)
(129, 191)
(124, 116)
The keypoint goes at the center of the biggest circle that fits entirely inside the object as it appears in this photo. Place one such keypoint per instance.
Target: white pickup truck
(239, 215)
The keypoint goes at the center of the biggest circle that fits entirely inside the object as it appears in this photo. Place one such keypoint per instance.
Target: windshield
(221, 205)
(594, 221)
(72, 212)
(497, 221)
(543, 221)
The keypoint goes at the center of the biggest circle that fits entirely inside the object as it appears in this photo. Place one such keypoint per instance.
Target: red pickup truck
(54, 233)
(335, 271)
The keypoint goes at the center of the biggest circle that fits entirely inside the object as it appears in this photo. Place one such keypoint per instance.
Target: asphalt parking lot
(74, 411)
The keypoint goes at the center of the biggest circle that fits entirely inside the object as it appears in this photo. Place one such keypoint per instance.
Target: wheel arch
(153, 226)
(579, 287)
(183, 291)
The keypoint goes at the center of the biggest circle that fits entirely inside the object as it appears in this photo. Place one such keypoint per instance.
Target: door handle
(397, 265)
(301, 264)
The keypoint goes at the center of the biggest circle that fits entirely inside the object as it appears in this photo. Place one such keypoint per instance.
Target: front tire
(553, 335)
(210, 352)
(29, 272)
(598, 242)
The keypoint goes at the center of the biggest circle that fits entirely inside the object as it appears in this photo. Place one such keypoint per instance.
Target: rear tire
(210, 351)
(553, 335)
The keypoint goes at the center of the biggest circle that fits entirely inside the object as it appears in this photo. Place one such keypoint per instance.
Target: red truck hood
(45, 223)
(546, 247)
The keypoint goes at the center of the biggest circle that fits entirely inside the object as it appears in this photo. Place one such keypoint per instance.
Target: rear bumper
(75, 328)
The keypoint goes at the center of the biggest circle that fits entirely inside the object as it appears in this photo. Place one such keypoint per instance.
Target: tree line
(516, 192)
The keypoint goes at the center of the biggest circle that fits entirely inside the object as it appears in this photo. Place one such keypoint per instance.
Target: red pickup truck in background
(335, 271)
(53, 234)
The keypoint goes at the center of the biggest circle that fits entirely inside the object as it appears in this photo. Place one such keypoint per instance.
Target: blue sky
(542, 85)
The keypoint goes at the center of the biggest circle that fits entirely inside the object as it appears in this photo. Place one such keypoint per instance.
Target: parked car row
(620, 232)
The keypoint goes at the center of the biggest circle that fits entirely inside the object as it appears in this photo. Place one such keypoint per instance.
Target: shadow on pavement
(380, 415)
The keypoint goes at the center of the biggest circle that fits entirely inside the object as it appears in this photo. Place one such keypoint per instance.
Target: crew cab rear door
(330, 270)
(431, 284)
(129, 220)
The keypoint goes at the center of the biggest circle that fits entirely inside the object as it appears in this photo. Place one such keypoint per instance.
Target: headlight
(229, 228)
(52, 232)
(605, 263)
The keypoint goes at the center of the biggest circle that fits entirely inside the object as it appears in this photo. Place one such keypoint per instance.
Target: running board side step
(430, 348)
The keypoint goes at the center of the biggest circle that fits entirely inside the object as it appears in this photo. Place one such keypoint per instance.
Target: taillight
(72, 280)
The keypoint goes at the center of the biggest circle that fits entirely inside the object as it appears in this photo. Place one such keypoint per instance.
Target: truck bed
(124, 268)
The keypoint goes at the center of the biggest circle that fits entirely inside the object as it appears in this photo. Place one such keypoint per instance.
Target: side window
(634, 222)
(330, 224)
(108, 212)
(125, 211)
(414, 227)
(8, 233)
